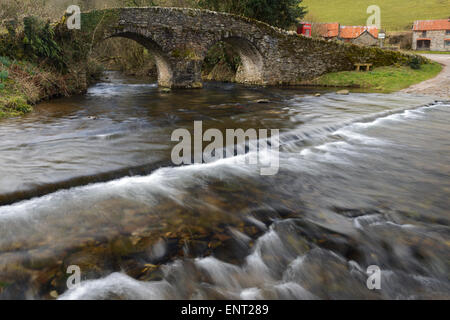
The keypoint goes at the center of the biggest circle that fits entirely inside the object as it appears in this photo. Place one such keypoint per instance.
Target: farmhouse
(431, 35)
(326, 30)
(362, 35)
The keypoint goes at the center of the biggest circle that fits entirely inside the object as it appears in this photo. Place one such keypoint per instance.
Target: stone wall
(180, 39)
(437, 40)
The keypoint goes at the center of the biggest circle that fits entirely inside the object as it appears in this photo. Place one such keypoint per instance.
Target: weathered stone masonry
(437, 40)
(180, 39)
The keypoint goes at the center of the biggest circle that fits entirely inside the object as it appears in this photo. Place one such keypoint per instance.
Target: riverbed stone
(329, 276)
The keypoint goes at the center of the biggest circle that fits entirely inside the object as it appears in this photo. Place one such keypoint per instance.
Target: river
(88, 181)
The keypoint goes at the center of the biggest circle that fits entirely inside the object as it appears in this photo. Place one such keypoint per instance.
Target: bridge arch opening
(164, 70)
(235, 54)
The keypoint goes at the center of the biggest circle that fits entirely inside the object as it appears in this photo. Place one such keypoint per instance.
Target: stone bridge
(180, 38)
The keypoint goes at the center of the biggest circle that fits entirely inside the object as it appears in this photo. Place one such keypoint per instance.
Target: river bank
(431, 79)
(27, 85)
(24, 84)
(382, 79)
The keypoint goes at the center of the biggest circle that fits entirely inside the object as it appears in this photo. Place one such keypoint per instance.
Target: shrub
(11, 26)
(18, 103)
(39, 42)
(280, 13)
(4, 74)
(415, 63)
(5, 61)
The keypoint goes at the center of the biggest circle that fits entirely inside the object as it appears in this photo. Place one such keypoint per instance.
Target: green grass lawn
(431, 52)
(383, 79)
(395, 14)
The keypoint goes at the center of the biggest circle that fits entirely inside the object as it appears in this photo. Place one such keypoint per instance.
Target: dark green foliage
(11, 26)
(279, 13)
(4, 74)
(5, 61)
(39, 42)
(9, 46)
(221, 53)
(415, 63)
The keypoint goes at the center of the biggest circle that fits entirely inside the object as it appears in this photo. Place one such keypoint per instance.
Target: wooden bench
(366, 66)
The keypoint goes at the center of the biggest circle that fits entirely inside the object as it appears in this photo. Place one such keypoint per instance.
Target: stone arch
(252, 59)
(163, 65)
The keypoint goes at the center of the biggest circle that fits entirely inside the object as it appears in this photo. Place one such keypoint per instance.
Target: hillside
(396, 15)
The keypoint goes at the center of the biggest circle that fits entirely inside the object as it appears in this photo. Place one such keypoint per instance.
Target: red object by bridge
(304, 29)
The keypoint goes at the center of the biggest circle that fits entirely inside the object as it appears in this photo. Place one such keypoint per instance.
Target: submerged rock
(335, 279)
(165, 90)
(343, 92)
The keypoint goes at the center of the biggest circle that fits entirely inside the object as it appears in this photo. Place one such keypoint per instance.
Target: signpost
(381, 36)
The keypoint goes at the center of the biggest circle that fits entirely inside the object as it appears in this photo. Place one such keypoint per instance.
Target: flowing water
(88, 181)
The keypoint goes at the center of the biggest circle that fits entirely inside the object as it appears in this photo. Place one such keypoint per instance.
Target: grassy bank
(23, 84)
(383, 79)
(395, 15)
(16, 91)
(37, 62)
(431, 52)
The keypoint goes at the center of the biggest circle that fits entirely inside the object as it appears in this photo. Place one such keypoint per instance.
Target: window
(447, 31)
(424, 33)
(423, 44)
(447, 43)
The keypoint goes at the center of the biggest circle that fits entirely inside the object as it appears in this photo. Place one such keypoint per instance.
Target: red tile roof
(327, 30)
(352, 32)
(430, 25)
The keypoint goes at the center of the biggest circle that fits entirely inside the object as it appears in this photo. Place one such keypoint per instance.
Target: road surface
(438, 86)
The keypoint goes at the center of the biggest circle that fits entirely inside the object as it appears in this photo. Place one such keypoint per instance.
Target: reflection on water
(364, 180)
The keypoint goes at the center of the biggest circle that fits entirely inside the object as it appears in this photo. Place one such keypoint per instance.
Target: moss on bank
(24, 84)
(13, 105)
(382, 79)
(38, 61)
(13, 99)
